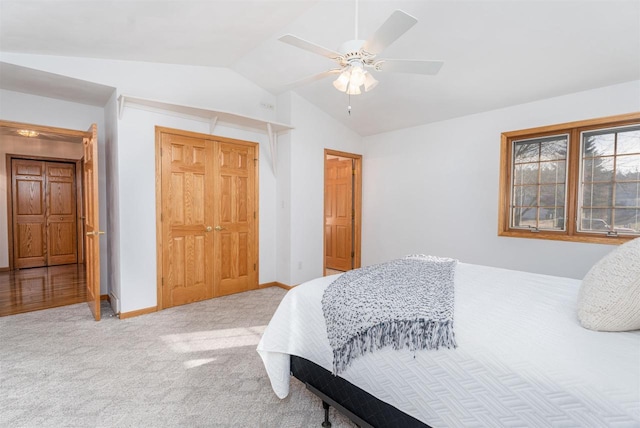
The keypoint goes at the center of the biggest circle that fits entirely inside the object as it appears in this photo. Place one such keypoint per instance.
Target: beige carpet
(189, 366)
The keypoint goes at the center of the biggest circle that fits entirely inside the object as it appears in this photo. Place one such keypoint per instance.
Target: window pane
(628, 167)
(552, 172)
(525, 196)
(597, 195)
(627, 220)
(526, 152)
(552, 195)
(597, 169)
(551, 218)
(627, 194)
(553, 150)
(539, 176)
(598, 145)
(526, 173)
(628, 142)
(525, 217)
(596, 220)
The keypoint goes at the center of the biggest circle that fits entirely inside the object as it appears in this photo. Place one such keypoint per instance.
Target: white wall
(18, 107)
(434, 188)
(283, 194)
(110, 172)
(314, 131)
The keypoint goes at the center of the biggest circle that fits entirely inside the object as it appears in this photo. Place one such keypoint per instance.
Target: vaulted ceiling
(496, 53)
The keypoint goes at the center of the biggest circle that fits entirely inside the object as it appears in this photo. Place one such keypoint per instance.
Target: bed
(522, 360)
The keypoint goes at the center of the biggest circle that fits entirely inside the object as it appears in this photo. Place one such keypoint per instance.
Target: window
(539, 178)
(610, 181)
(578, 181)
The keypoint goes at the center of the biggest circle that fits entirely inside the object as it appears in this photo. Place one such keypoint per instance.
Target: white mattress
(522, 358)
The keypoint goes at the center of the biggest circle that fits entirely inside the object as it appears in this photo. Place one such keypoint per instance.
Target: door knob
(219, 228)
(95, 233)
(208, 229)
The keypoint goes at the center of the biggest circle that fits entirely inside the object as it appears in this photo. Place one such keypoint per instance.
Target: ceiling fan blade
(308, 79)
(409, 66)
(311, 47)
(394, 27)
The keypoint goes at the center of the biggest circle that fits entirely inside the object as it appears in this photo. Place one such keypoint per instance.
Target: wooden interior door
(61, 213)
(29, 213)
(236, 243)
(92, 221)
(187, 219)
(339, 214)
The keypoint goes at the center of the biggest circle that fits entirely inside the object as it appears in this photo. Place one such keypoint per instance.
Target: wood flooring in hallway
(33, 289)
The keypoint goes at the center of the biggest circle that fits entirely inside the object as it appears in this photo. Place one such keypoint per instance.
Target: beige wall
(25, 146)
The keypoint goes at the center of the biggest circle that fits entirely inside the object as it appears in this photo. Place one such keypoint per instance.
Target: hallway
(27, 290)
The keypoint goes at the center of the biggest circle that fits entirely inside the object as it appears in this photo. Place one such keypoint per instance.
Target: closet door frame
(80, 221)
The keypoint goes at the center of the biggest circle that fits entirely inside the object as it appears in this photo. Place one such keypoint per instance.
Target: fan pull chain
(349, 106)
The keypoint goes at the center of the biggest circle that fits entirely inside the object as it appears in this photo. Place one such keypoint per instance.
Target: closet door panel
(61, 218)
(29, 213)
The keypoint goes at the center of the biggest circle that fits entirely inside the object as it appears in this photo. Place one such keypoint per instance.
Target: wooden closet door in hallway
(208, 222)
(61, 218)
(44, 213)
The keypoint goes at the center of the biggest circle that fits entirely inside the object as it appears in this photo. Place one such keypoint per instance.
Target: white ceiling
(496, 53)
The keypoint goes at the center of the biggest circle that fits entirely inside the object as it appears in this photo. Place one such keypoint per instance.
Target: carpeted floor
(189, 366)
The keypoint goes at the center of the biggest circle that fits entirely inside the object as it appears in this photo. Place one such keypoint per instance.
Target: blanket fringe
(400, 334)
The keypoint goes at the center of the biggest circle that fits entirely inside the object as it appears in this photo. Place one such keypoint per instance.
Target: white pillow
(609, 297)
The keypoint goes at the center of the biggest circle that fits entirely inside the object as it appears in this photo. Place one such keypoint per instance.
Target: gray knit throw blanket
(406, 303)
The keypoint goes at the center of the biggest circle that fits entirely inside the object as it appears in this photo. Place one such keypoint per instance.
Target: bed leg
(326, 423)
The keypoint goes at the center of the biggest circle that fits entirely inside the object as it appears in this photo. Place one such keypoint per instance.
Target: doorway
(342, 211)
(207, 212)
(69, 188)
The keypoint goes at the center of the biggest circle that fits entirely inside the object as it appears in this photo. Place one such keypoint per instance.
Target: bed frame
(360, 407)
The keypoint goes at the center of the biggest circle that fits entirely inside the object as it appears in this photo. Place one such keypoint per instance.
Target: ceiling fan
(355, 58)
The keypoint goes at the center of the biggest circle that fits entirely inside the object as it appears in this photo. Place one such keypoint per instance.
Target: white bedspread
(522, 357)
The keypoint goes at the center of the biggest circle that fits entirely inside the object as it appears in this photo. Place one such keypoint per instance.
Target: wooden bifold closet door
(44, 213)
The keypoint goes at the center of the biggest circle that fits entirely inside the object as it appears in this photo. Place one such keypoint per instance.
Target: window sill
(564, 236)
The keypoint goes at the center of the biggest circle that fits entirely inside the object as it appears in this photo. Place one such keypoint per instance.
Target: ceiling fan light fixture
(352, 78)
(342, 81)
(357, 75)
(353, 90)
(370, 82)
